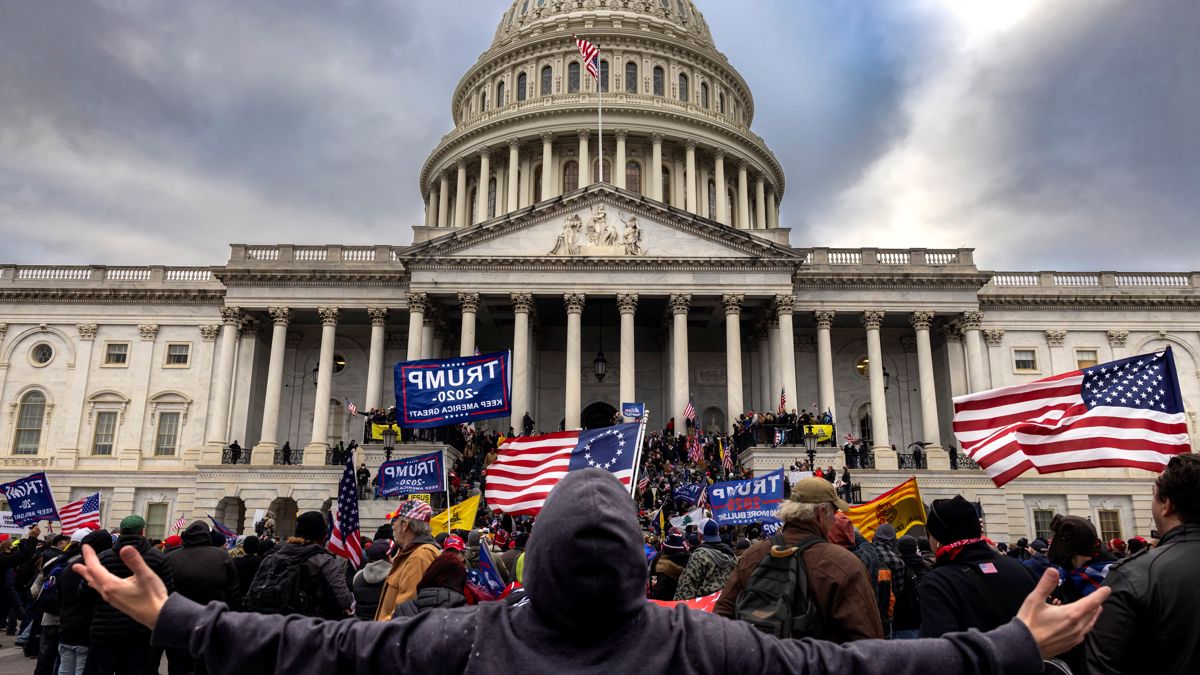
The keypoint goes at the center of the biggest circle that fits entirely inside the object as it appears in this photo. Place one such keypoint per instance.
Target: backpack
(775, 600)
(286, 586)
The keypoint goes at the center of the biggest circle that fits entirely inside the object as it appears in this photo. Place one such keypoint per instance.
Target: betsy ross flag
(1126, 413)
(591, 56)
(81, 514)
(344, 540)
(528, 467)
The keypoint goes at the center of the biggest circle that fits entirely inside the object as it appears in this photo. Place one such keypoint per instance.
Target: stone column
(481, 188)
(690, 178)
(743, 199)
(971, 324)
(760, 203)
(702, 190)
(416, 319)
(374, 397)
(522, 305)
(1054, 340)
(585, 160)
(627, 306)
(784, 306)
(524, 188)
(431, 207)
(618, 177)
(444, 201)
(733, 356)
(719, 179)
(264, 452)
(772, 210)
(885, 457)
(460, 195)
(776, 363)
(574, 303)
(936, 457)
(218, 416)
(466, 340)
(678, 189)
(514, 172)
(427, 336)
(314, 452)
(825, 395)
(547, 167)
(654, 175)
(680, 303)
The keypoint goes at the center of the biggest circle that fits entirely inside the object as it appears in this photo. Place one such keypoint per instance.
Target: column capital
(1055, 336)
(656, 138)
(469, 302)
(627, 303)
(1116, 338)
(972, 320)
(148, 331)
(824, 318)
(583, 134)
(512, 142)
(87, 331)
(378, 315)
(921, 319)
(522, 302)
(248, 326)
(743, 166)
(718, 155)
(680, 303)
(329, 315)
(417, 302)
(733, 302)
(620, 134)
(785, 304)
(484, 152)
(690, 144)
(993, 336)
(574, 302)
(280, 316)
(231, 315)
(873, 318)
(547, 136)
(461, 163)
(208, 331)
(953, 331)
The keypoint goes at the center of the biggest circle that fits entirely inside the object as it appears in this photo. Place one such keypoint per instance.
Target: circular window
(861, 366)
(339, 363)
(41, 354)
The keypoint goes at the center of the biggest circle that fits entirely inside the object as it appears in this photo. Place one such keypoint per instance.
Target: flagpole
(637, 457)
(599, 114)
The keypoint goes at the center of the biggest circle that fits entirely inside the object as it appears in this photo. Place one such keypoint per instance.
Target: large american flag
(689, 410)
(782, 401)
(1127, 413)
(81, 514)
(528, 467)
(591, 56)
(345, 539)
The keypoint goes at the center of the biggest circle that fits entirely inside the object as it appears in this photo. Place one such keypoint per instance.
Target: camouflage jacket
(706, 571)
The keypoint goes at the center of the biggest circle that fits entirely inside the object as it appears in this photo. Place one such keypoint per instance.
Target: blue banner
(634, 410)
(437, 392)
(30, 500)
(739, 502)
(689, 491)
(422, 473)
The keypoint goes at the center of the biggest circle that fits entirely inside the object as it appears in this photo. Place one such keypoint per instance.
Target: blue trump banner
(739, 502)
(689, 491)
(437, 392)
(30, 499)
(422, 473)
(634, 410)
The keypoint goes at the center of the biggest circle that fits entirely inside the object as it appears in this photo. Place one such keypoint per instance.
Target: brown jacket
(837, 583)
(408, 567)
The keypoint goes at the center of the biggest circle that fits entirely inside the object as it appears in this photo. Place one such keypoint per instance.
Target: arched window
(666, 186)
(537, 183)
(570, 176)
(522, 86)
(604, 76)
(683, 87)
(491, 207)
(547, 81)
(631, 77)
(524, 7)
(30, 417)
(483, 101)
(721, 103)
(573, 77)
(472, 200)
(712, 200)
(500, 95)
(633, 177)
(607, 177)
(658, 81)
(703, 94)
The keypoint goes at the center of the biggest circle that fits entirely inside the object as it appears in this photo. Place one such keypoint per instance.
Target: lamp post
(810, 443)
(389, 442)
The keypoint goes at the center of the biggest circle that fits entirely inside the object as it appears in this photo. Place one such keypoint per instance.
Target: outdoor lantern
(389, 437)
(810, 440)
(600, 365)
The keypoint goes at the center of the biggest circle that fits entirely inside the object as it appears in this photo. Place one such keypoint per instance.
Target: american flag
(643, 484)
(179, 523)
(1126, 413)
(81, 514)
(345, 539)
(726, 456)
(351, 407)
(695, 452)
(689, 411)
(528, 467)
(591, 56)
(782, 401)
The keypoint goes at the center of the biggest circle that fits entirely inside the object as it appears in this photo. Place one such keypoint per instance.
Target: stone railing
(1096, 280)
(311, 254)
(102, 274)
(837, 257)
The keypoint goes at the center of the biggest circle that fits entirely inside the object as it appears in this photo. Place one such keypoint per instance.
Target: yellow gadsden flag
(461, 516)
(901, 506)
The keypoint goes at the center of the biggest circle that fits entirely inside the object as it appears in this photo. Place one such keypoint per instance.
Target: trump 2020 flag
(1126, 413)
(485, 580)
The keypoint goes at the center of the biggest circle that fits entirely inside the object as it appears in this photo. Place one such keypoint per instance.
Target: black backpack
(775, 600)
(286, 586)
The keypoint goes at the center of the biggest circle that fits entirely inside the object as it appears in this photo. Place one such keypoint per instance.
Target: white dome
(528, 15)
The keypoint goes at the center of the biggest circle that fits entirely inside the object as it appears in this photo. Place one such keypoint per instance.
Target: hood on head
(197, 534)
(584, 569)
(885, 534)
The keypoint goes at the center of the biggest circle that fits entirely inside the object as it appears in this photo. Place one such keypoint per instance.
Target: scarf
(1088, 578)
(952, 550)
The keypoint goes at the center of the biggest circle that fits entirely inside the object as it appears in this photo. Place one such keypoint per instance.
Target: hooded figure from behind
(203, 572)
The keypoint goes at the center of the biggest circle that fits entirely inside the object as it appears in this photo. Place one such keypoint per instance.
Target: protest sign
(30, 499)
(9, 526)
(409, 475)
(437, 392)
(740, 502)
(634, 410)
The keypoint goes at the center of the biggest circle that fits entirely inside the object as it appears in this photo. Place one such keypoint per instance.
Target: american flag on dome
(591, 56)
(528, 467)
(1126, 413)
(81, 514)
(345, 539)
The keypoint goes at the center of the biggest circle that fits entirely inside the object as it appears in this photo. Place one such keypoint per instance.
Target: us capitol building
(662, 273)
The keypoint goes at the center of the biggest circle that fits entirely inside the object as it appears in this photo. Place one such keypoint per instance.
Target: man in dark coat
(323, 579)
(75, 614)
(203, 573)
(247, 564)
(367, 584)
(586, 611)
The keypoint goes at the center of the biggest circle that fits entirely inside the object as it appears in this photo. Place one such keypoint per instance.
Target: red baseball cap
(454, 543)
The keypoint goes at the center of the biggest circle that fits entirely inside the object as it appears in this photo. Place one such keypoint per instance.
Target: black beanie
(311, 526)
(250, 545)
(952, 520)
(907, 545)
(1072, 536)
(99, 540)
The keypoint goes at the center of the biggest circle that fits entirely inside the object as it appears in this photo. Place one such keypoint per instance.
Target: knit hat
(133, 524)
(842, 532)
(311, 526)
(377, 552)
(1116, 545)
(674, 540)
(454, 543)
(952, 520)
(742, 544)
(1038, 545)
(907, 545)
(101, 541)
(712, 531)
(501, 539)
(250, 544)
(415, 509)
(1072, 536)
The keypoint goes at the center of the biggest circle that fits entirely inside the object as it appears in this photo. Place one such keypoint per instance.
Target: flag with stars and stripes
(726, 455)
(782, 402)
(179, 523)
(1126, 413)
(689, 411)
(591, 56)
(528, 467)
(81, 514)
(344, 540)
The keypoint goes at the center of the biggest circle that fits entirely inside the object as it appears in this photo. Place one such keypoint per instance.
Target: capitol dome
(674, 128)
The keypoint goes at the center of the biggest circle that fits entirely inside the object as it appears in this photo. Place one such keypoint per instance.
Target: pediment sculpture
(601, 237)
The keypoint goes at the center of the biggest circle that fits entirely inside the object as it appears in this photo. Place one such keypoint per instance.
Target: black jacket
(908, 601)
(247, 567)
(1150, 622)
(107, 621)
(75, 609)
(957, 594)
(367, 586)
(202, 571)
(429, 598)
(328, 569)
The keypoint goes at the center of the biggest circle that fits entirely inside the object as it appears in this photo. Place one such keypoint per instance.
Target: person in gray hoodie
(585, 611)
(368, 582)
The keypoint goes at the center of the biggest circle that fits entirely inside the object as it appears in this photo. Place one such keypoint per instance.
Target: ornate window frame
(42, 364)
(105, 401)
(169, 401)
(1037, 360)
(14, 409)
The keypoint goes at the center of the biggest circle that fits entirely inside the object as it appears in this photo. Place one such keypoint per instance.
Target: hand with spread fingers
(1057, 628)
(141, 596)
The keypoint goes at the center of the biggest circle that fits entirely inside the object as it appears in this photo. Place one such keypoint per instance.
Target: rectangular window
(1086, 358)
(116, 354)
(178, 354)
(1025, 360)
(1110, 524)
(105, 433)
(156, 520)
(165, 440)
(1041, 523)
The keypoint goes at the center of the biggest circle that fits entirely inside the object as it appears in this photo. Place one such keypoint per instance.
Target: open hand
(141, 596)
(1058, 628)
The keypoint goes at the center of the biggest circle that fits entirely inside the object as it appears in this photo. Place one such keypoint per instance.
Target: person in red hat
(172, 542)
(416, 553)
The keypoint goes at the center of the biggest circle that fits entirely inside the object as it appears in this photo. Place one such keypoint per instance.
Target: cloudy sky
(1051, 134)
